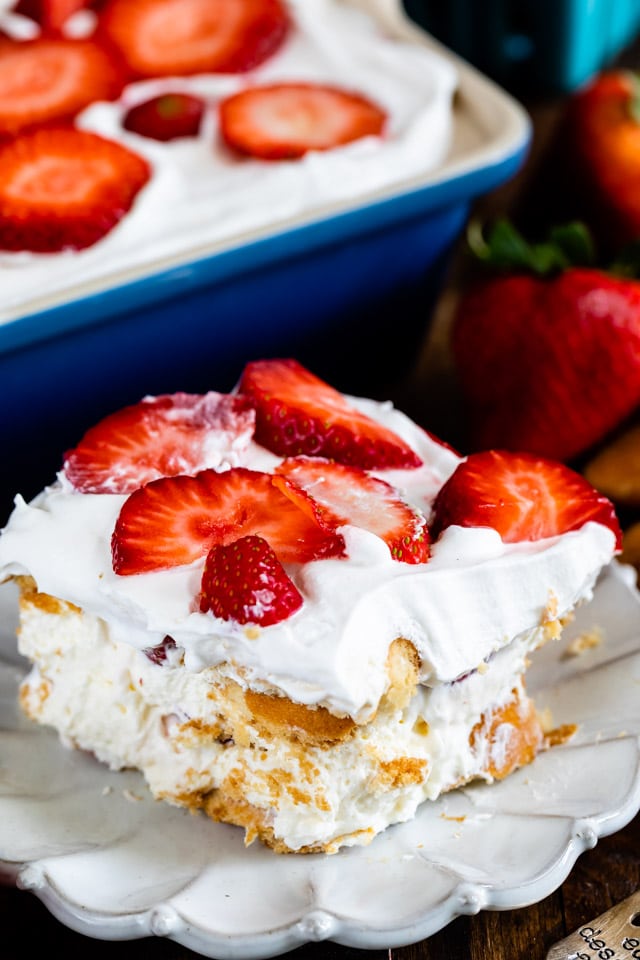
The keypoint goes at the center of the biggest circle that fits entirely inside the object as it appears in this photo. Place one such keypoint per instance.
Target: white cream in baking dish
(200, 195)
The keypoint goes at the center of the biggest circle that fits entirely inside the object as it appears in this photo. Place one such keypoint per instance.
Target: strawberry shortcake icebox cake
(294, 609)
(138, 134)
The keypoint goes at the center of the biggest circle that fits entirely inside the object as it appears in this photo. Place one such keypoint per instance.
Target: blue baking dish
(544, 45)
(349, 294)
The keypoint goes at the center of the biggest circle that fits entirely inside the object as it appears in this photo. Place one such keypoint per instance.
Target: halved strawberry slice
(159, 38)
(160, 437)
(50, 14)
(62, 188)
(168, 116)
(522, 496)
(284, 121)
(297, 413)
(244, 581)
(352, 496)
(51, 79)
(176, 520)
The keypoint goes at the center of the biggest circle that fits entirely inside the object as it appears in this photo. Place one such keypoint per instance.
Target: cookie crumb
(588, 640)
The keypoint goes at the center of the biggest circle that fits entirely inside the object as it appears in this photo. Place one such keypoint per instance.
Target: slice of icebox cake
(295, 609)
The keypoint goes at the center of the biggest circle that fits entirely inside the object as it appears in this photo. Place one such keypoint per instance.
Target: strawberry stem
(634, 99)
(627, 262)
(504, 248)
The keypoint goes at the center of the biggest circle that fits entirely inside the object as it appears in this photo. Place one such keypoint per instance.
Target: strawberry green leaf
(575, 240)
(634, 100)
(627, 262)
(504, 248)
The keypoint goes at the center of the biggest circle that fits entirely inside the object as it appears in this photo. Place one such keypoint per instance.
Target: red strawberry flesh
(522, 496)
(65, 189)
(244, 581)
(177, 520)
(51, 79)
(159, 38)
(351, 495)
(297, 413)
(159, 437)
(286, 120)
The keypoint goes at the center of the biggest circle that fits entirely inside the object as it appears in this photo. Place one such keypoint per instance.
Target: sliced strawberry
(286, 120)
(352, 496)
(160, 437)
(522, 496)
(65, 189)
(244, 581)
(181, 37)
(160, 653)
(297, 413)
(52, 15)
(177, 520)
(51, 79)
(166, 117)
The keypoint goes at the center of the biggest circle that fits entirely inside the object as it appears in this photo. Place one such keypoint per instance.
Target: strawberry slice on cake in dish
(169, 116)
(51, 79)
(284, 121)
(64, 189)
(160, 38)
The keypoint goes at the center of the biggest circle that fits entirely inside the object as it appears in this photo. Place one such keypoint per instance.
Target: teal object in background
(540, 45)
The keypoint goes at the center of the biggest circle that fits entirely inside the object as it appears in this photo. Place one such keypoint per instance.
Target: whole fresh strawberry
(602, 135)
(169, 116)
(547, 350)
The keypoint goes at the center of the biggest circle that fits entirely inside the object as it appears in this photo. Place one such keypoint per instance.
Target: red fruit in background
(286, 120)
(166, 117)
(297, 413)
(159, 437)
(350, 495)
(549, 366)
(177, 520)
(64, 189)
(547, 363)
(602, 130)
(52, 15)
(244, 581)
(51, 79)
(159, 38)
(522, 496)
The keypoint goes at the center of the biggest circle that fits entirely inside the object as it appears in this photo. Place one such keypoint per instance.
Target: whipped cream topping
(201, 198)
(474, 596)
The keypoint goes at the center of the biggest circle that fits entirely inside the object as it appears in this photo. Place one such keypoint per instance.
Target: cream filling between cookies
(107, 697)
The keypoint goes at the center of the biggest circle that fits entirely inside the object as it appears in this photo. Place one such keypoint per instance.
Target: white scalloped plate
(112, 863)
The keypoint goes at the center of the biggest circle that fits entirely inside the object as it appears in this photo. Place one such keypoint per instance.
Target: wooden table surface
(600, 878)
